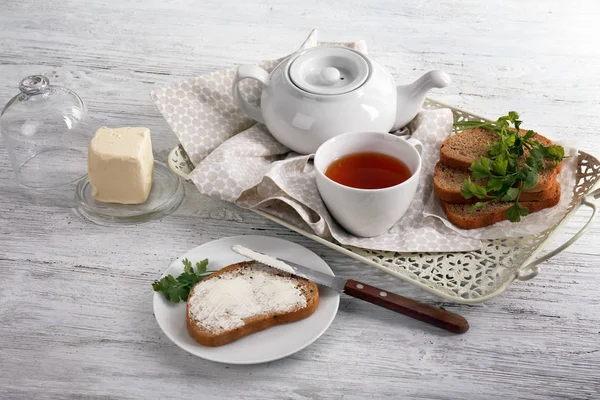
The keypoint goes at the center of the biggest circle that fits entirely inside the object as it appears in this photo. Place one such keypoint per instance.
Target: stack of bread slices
(457, 154)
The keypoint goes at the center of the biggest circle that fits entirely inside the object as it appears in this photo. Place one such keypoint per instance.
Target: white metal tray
(461, 277)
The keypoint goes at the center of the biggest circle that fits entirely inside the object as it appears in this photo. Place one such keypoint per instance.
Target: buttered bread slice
(245, 298)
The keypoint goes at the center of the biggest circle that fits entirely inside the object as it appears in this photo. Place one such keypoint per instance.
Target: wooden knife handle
(403, 305)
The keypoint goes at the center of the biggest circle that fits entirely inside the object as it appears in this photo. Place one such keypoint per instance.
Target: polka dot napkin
(239, 161)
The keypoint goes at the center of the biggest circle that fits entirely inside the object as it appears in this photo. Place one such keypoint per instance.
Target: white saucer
(268, 345)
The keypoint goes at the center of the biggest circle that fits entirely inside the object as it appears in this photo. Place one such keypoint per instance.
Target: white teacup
(368, 212)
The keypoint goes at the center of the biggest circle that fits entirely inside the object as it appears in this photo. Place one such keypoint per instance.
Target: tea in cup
(368, 180)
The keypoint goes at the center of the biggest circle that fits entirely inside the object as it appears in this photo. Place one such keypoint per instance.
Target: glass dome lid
(45, 132)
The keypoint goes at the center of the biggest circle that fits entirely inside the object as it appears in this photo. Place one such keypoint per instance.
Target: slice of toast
(493, 212)
(461, 150)
(448, 181)
(245, 298)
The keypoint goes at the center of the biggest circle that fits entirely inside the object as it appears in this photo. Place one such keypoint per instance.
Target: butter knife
(423, 312)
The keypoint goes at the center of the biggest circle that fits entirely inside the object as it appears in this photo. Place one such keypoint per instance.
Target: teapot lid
(329, 70)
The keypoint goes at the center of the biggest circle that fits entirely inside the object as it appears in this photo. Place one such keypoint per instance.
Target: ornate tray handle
(530, 270)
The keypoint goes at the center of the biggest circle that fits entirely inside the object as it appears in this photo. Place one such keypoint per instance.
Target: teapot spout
(411, 97)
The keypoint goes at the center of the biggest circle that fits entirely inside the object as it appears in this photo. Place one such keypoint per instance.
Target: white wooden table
(75, 298)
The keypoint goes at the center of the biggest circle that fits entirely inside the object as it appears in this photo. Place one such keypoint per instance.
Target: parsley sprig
(507, 176)
(178, 289)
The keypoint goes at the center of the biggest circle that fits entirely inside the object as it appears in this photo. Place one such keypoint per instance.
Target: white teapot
(325, 91)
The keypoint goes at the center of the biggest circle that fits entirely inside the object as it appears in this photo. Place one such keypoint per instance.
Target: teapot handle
(252, 72)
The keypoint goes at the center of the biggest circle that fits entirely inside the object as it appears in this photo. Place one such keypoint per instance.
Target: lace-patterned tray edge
(460, 277)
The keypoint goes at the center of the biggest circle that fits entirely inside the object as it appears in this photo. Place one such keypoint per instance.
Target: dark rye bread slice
(447, 183)
(258, 322)
(493, 212)
(461, 150)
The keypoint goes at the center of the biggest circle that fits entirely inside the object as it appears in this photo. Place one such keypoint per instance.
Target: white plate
(268, 345)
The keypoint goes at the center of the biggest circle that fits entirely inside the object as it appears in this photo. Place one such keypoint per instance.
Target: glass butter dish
(165, 197)
(47, 132)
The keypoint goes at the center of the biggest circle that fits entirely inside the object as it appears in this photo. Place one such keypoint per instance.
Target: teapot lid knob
(330, 75)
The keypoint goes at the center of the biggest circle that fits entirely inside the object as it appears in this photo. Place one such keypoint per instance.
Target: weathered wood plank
(75, 300)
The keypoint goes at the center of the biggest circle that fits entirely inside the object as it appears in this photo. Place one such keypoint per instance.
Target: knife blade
(291, 267)
(423, 312)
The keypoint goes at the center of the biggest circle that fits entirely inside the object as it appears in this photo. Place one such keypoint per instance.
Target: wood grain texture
(75, 298)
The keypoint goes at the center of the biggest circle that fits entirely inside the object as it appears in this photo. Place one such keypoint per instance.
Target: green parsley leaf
(478, 205)
(515, 212)
(498, 148)
(500, 164)
(555, 152)
(510, 195)
(531, 178)
(467, 189)
(480, 192)
(536, 157)
(470, 189)
(511, 139)
(462, 125)
(201, 266)
(178, 289)
(187, 266)
(529, 135)
(513, 116)
(481, 168)
(494, 185)
(171, 289)
(187, 279)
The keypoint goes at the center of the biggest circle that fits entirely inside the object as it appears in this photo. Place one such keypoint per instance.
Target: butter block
(121, 165)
